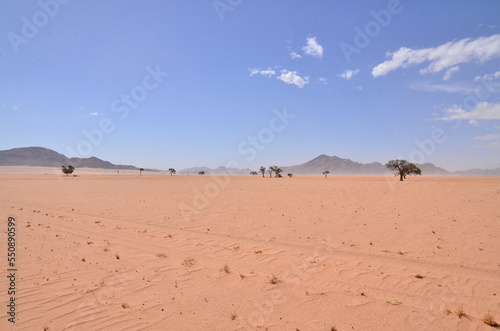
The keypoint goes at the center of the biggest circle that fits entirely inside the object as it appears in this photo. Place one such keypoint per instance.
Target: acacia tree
(140, 171)
(278, 171)
(326, 173)
(201, 173)
(262, 170)
(270, 170)
(172, 171)
(290, 175)
(253, 173)
(67, 170)
(403, 168)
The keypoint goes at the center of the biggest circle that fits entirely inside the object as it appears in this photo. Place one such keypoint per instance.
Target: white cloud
(348, 74)
(447, 74)
(291, 77)
(482, 111)
(441, 57)
(323, 80)
(313, 48)
(94, 114)
(268, 72)
(295, 55)
(490, 77)
(83, 108)
(493, 136)
(442, 88)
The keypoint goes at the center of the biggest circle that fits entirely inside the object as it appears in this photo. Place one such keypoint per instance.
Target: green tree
(403, 168)
(290, 175)
(140, 171)
(67, 170)
(262, 170)
(326, 173)
(201, 173)
(172, 171)
(253, 173)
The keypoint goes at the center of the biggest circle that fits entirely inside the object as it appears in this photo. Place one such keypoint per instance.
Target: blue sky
(162, 84)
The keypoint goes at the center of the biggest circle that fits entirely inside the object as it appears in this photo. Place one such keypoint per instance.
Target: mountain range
(43, 157)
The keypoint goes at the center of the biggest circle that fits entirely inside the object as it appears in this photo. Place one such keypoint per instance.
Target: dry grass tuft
(226, 269)
(125, 305)
(161, 255)
(333, 328)
(106, 249)
(233, 316)
(188, 262)
(489, 319)
(460, 312)
(419, 276)
(117, 256)
(83, 260)
(447, 311)
(274, 279)
(242, 276)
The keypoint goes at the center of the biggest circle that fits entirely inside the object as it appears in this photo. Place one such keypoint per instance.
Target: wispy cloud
(449, 72)
(323, 80)
(488, 137)
(442, 88)
(267, 72)
(291, 77)
(94, 114)
(489, 77)
(295, 55)
(442, 57)
(348, 74)
(312, 48)
(482, 111)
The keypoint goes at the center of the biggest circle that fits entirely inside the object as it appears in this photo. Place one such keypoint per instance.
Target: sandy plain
(160, 252)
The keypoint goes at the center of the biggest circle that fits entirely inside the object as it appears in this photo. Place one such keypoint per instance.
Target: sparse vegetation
(274, 279)
(403, 168)
(68, 170)
(253, 173)
(489, 319)
(447, 311)
(333, 328)
(161, 255)
(140, 171)
(188, 262)
(326, 173)
(290, 175)
(117, 256)
(460, 312)
(419, 276)
(201, 173)
(263, 171)
(172, 171)
(226, 269)
(234, 316)
(125, 305)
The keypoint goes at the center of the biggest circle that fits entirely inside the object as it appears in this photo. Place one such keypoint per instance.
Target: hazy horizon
(185, 84)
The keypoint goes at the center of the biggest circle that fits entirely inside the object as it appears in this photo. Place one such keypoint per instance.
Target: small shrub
(274, 279)
(489, 319)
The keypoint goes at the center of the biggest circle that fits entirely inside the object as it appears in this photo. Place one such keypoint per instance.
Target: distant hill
(335, 165)
(44, 157)
(339, 166)
(217, 171)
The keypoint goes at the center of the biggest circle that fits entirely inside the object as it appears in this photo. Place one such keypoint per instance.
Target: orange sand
(110, 252)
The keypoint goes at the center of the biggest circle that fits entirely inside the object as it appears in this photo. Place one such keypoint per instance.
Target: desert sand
(161, 252)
